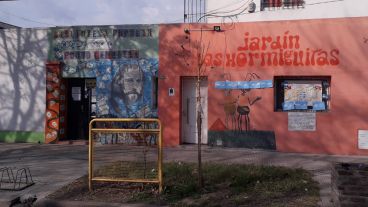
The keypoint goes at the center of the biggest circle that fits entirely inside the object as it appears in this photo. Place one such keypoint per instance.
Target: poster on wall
(302, 121)
(302, 95)
(362, 139)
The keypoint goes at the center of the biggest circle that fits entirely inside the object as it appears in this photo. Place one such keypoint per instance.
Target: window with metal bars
(270, 4)
(302, 93)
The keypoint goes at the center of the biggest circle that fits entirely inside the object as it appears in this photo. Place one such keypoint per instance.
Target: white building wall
(23, 53)
(236, 10)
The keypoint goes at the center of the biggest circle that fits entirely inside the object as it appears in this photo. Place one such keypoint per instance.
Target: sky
(49, 13)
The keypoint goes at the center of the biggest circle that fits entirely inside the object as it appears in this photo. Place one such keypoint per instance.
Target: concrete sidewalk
(53, 166)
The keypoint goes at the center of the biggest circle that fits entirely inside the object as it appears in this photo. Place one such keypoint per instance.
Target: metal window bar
(194, 11)
(272, 4)
(293, 4)
(157, 131)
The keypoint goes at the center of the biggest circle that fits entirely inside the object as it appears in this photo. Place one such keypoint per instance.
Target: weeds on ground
(225, 185)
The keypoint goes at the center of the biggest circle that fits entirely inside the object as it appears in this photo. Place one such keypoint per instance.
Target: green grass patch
(20, 136)
(225, 185)
(128, 170)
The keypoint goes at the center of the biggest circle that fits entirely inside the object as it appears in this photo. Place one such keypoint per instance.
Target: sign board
(302, 121)
(363, 139)
(243, 84)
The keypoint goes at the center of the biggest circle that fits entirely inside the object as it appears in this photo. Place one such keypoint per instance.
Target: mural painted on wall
(124, 88)
(281, 50)
(79, 48)
(123, 59)
(55, 104)
(239, 98)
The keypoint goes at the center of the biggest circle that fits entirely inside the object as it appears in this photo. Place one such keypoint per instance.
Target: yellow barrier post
(90, 158)
(158, 131)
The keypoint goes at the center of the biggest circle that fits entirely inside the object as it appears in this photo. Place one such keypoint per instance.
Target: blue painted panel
(232, 85)
(301, 104)
(289, 105)
(319, 105)
(254, 84)
(220, 84)
(266, 84)
(243, 84)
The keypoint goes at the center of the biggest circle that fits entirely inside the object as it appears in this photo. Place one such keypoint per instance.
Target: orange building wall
(345, 42)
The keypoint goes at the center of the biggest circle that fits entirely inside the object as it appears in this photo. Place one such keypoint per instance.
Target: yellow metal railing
(158, 131)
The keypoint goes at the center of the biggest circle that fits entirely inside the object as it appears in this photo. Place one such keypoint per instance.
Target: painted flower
(56, 93)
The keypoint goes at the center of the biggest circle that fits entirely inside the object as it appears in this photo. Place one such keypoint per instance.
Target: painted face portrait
(124, 89)
(132, 83)
(128, 85)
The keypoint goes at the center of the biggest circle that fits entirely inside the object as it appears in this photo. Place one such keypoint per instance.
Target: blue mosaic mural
(124, 88)
(122, 58)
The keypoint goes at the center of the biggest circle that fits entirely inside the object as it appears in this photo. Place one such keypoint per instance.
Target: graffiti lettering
(108, 54)
(282, 50)
(98, 33)
(70, 45)
(263, 43)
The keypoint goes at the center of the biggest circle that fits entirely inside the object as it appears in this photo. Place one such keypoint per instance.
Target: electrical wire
(228, 5)
(231, 15)
(310, 4)
(221, 14)
(245, 4)
(27, 19)
(210, 14)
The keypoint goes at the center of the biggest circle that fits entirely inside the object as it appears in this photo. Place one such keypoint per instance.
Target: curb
(66, 203)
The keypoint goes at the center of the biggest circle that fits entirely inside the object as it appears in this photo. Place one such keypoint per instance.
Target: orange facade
(335, 49)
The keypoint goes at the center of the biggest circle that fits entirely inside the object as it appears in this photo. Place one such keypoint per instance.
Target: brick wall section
(350, 185)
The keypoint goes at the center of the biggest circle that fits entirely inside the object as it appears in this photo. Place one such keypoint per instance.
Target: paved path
(53, 166)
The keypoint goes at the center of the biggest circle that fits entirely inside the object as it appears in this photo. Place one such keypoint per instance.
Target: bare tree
(201, 49)
(198, 50)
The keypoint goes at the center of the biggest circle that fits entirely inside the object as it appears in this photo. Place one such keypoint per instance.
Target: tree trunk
(199, 133)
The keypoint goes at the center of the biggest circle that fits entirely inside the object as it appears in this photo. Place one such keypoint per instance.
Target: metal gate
(130, 134)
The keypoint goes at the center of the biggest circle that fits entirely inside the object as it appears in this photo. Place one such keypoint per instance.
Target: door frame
(85, 104)
(182, 78)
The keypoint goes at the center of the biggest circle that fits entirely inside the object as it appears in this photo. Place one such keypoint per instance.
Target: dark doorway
(81, 107)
